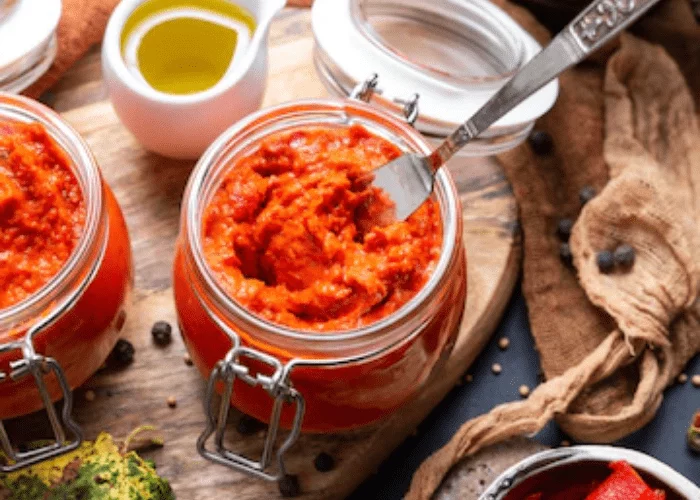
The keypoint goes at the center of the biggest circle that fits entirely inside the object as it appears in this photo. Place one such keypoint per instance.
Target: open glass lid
(455, 54)
(27, 41)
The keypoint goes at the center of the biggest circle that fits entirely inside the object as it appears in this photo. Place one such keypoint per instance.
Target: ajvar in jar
(274, 250)
(67, 270)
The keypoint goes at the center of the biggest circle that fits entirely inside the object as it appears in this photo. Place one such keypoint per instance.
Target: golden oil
(185, 46)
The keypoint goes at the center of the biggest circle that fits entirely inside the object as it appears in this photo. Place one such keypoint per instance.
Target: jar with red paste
(291, 300)
(66, 270)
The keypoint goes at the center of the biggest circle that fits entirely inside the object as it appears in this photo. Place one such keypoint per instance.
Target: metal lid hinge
(365, 90)
(277, 385)
(39, 367)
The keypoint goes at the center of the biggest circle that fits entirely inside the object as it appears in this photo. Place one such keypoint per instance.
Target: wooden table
(149, 189)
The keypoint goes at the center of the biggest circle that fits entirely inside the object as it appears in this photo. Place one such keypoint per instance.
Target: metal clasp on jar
(39, 366)
(279, 388)
(365, 90)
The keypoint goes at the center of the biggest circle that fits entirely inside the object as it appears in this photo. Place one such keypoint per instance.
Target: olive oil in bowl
(185, 46)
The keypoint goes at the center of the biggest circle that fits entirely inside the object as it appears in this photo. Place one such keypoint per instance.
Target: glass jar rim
(28, 37)
(356, 38)
(23, 109)
(216, 156)
(463, 17)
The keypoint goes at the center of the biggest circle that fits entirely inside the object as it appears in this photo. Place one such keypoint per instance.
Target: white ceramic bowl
(550, 459)
(183, 126)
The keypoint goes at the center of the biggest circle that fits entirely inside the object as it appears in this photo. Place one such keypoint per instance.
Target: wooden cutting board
(149, 189)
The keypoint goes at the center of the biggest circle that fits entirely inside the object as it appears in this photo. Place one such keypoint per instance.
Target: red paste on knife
(285, 233)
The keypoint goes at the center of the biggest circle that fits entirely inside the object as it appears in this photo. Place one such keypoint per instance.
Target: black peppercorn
(541, 142)
(605, 261)
(624, 256)
(289, 486)
(586, 194)
(564, 227)
(123, 353)
(324, 462)
(565, 255)
(248, 425)
(161, 331)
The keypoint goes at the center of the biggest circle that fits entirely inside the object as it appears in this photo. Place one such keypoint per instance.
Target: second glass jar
(77, 316)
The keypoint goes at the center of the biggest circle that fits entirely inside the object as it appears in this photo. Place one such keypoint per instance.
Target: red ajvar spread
(286, 233)
(42, 212)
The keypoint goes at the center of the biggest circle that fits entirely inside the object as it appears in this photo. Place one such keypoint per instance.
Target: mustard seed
(524, 391)
(496, 368)
(503, 343)
(695, 380)
(682, 378)
(172, 402)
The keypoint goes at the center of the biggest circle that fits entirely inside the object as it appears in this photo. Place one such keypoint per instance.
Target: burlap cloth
(625, 122)
(82, 25)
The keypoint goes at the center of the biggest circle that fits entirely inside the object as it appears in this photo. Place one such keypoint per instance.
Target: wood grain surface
(149, 189)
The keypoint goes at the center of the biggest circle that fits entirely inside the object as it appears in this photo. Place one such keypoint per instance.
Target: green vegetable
(95, 471)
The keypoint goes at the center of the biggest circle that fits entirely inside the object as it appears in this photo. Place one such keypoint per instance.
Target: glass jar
(454, 54)
(316, 382)
(70, 325)
(28, 40)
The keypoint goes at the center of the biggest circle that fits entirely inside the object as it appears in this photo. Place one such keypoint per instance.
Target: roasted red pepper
(624, 484)
(653, 495)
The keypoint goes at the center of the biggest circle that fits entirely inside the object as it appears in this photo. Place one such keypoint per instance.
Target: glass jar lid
(28, 41)
(455, 54)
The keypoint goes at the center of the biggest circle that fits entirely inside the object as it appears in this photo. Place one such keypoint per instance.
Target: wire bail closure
(39, 366)
(365, 90)
(277, 385)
